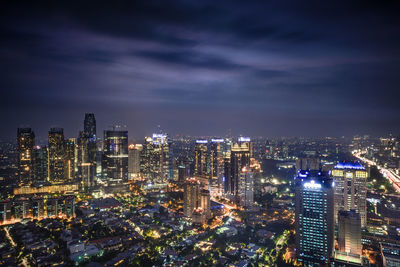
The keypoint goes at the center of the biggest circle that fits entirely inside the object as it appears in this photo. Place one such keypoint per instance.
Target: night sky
(271, 68)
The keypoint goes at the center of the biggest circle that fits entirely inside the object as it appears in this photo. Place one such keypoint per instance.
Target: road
(387, 173)
(12, 242)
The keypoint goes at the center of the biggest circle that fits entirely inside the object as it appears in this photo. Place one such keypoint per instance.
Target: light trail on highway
(387, 173)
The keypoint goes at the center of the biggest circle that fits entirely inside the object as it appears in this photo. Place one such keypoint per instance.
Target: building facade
(351, 189)
(25, 145)
(115, 160)
(314, 218)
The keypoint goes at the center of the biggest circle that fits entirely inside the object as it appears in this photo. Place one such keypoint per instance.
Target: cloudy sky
(272, 68)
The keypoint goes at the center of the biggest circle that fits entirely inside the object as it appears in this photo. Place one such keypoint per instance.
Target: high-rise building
(351, 189)
(69, 159)
(115, 162)
(155, 161)
(25, 144)
(183, 173)
(56, 155)
(217, 162)
(87, 152)
(314, 218)
(134, 160)
(191, 193)
(349, 232)
(239, 158)
(89, 125)
(246, 187)
(200, 158)
(196, 201)
(40, 163)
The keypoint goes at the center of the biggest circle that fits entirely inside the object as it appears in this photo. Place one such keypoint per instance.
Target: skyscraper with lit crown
(351, 189)
(314, 217)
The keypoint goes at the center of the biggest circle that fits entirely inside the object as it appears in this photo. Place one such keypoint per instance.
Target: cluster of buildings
(331, 208)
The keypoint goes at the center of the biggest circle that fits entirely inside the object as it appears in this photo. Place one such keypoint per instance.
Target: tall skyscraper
(89, 125)
(314, 217)
(349, 232)
(191, 193)
(155, 162)
(134, 160)
(69, 160)
(200, 158)
(217, 162)
(246, 187)
(115, 163)
(56, 155)
(87, 152)
(40, 163)
(25, 144)
(239, 158)
(351, 189)
(196, 201)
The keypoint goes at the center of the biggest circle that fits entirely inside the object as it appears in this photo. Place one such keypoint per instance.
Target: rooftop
(350, 165)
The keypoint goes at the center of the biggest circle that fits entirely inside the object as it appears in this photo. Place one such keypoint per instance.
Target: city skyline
(271, 69)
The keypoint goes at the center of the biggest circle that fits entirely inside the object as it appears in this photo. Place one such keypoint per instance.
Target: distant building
(69, 159)
(196, 201)
(25, 144)
(36, 207)
(201, 158)
(351, 189)
(246, 187)
(56, 155)
(191, 193)
(314, 217)
(115, 164)
(183, 173)
(217, 163)
(390, 254)
(40, 163)
(155, 160)
(134, 160)
(239, 158)
(349, 232)
(308, 163)
(87, 152)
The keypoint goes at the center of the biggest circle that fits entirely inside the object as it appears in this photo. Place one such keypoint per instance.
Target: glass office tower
(314, 217)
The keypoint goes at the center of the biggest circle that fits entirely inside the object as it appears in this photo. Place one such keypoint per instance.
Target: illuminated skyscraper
(115, 161)
(191, 195)
(196, 201)
(89, 125)
(217, 162)
(246, 187)
(155, 158)
(314, 217)
(351, 189)
(87, 151)
(349, 232)
(40, 163)
(239, 158)
(56, 155)
(69, 159)
(134, 160)
(200, 158)
(25, 144)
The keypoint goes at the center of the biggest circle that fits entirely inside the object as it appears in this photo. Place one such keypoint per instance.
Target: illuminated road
(9, 237)
(387, 173)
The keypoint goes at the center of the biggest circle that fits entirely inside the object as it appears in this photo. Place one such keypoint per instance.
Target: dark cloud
(201, 67)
